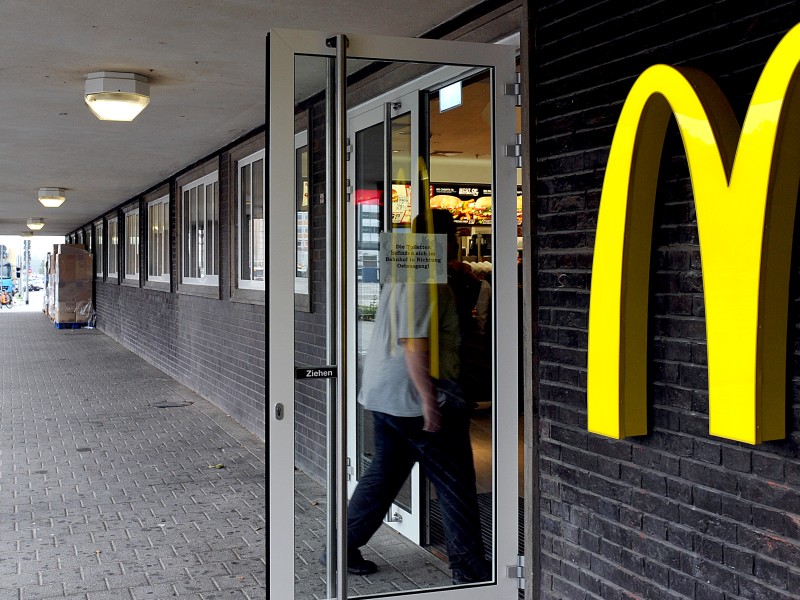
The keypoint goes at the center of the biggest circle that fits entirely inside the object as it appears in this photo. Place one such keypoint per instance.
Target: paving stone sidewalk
(108, 480)
(403, 566)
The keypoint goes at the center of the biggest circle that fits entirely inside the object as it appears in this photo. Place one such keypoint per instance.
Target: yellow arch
(745, 200)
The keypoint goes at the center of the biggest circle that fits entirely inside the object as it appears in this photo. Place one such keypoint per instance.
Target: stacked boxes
(70, 284)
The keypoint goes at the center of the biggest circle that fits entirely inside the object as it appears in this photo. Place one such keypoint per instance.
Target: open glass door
(384, 143)
(367, 379)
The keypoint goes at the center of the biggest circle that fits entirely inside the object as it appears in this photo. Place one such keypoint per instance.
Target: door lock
(279, 412)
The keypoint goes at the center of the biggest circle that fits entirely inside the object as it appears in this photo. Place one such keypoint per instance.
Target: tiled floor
(117, 482)
(402, 565)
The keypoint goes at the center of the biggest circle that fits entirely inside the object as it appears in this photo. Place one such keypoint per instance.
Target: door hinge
(349, 470)
(348, 189)
(348, 147)
(515, 150)
(517, 572)
(515, 89)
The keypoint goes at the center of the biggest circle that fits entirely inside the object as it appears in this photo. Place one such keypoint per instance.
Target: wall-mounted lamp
(35, 224)
(52, 197)
(113, 96)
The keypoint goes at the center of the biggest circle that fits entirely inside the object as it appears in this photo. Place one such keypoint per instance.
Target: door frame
(282, 46)
(359, 118)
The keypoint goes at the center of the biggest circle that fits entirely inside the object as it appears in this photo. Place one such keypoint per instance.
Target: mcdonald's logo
(745, 184)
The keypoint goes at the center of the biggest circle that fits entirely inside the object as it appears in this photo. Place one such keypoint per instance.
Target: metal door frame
(358, 119)
(282, 47)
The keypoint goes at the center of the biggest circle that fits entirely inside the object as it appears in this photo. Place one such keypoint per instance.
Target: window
(87, 235)
(98, 247)
(113, 241)
(80, 236)
(158, 240)
(132, 245)
(200, 231)
(302, 252)
(251, 221)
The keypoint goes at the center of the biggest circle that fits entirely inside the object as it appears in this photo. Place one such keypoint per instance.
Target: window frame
(131, 227)
(303, 285)
(165, 263)
(112, 223)
(243, 151)
(209, 286)
(241, 164)
(99, 249)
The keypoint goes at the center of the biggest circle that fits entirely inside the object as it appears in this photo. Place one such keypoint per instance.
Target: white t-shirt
(404, 312)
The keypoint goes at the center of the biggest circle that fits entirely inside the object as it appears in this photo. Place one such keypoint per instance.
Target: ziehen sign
(745, 183)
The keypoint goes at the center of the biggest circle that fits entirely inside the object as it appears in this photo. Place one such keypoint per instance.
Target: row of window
(198, 233)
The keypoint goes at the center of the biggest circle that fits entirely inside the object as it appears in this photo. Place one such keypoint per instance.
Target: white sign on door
(413, 258)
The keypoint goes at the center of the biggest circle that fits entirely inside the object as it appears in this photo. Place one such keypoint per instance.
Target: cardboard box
(84, 267)
(73, 291)
(65, 312)
(69, 248)
(74, 267)
(70, 285)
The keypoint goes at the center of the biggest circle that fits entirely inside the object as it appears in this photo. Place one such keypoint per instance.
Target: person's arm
(417, 355)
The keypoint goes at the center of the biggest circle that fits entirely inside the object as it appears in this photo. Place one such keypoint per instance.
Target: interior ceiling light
(52, 197)
(113, 96)
(35, 224)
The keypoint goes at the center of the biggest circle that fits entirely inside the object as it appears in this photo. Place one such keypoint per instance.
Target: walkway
(403, 566)
(117, 482)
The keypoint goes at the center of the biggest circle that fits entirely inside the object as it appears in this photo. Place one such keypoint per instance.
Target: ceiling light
(113, 96)
(52, 197)
(35, 224)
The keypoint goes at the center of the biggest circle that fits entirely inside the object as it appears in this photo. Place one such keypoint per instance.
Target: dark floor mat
(437, 542)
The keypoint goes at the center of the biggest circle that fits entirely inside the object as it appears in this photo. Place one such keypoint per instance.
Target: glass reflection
(423, 384)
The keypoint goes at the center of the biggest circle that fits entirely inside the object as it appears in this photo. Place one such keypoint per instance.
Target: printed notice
(413, 258)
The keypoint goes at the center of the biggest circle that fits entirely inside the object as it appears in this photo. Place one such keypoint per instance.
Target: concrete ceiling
(205, 61)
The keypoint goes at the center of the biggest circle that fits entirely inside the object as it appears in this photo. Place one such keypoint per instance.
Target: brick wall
(310, 327)
(211, 346)
(677, 513)
(216, 346)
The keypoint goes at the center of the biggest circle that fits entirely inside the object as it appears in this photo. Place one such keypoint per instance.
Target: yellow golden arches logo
(745, 198)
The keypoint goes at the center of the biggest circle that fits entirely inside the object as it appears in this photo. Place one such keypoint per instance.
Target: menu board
(469, 203)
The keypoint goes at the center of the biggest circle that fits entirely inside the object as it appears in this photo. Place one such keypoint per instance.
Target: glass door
(384, 142)
(373, 427)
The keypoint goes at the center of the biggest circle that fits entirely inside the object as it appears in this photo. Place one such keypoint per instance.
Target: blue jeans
(446, 460)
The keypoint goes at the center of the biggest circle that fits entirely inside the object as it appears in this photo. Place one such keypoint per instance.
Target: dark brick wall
(216, 346)
(310, 327)
(211, 346)
(677, 513)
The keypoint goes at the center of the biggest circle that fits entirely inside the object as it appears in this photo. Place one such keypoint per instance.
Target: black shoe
(356, 563)
(470, 574)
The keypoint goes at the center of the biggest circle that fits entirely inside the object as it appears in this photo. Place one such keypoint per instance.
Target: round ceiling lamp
(114, 96)
(35, 224)
(52, 197)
